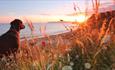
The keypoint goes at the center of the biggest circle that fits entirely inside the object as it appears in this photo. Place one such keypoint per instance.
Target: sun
(81, 18)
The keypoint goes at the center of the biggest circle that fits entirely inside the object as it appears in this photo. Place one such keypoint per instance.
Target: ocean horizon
(41, 28)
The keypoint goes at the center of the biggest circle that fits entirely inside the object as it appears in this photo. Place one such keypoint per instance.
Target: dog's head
(17, 24)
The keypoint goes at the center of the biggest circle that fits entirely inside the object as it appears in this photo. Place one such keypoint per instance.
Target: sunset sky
(44, 10)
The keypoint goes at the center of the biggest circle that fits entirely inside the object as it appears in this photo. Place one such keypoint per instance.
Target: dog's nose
(22, 27)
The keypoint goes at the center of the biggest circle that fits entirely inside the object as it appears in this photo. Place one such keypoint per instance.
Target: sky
(44, 10)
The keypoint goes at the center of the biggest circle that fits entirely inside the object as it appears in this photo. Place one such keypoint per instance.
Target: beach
(66, 38)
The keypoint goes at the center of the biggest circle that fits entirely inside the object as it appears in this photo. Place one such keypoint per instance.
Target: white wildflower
(67, 68)
(35, 63)
(7, 64)
(71, 63)
(77, 56)
(87, 65)
(11, 56)
(68, 49)
(68, 56)
(60, 56)
(106, 39)
(4, 58)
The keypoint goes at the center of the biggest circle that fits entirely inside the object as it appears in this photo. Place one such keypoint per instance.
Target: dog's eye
(20, 23)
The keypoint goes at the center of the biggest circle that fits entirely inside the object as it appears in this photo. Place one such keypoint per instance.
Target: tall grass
(90, 47)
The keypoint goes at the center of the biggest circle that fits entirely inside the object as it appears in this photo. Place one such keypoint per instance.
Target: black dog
(9, 42)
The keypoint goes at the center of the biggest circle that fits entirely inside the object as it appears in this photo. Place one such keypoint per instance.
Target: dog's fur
(9, 42)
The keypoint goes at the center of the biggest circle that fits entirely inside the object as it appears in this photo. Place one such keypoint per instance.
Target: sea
(41, 29)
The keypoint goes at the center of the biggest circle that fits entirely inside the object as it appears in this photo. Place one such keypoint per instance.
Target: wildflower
(77, 56)
(106, 39)
(68, 49)
(35, 63)
(68, 57)
(60, 56)
(4, 59)
(87, 65)
(11, 56)
(71, 63)
(66, 68)
(43, 43)
(7, 64)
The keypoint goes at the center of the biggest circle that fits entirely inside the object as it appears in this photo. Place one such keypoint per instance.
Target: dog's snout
(22, 26)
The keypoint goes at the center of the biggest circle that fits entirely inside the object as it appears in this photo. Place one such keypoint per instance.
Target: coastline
(65, 37)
